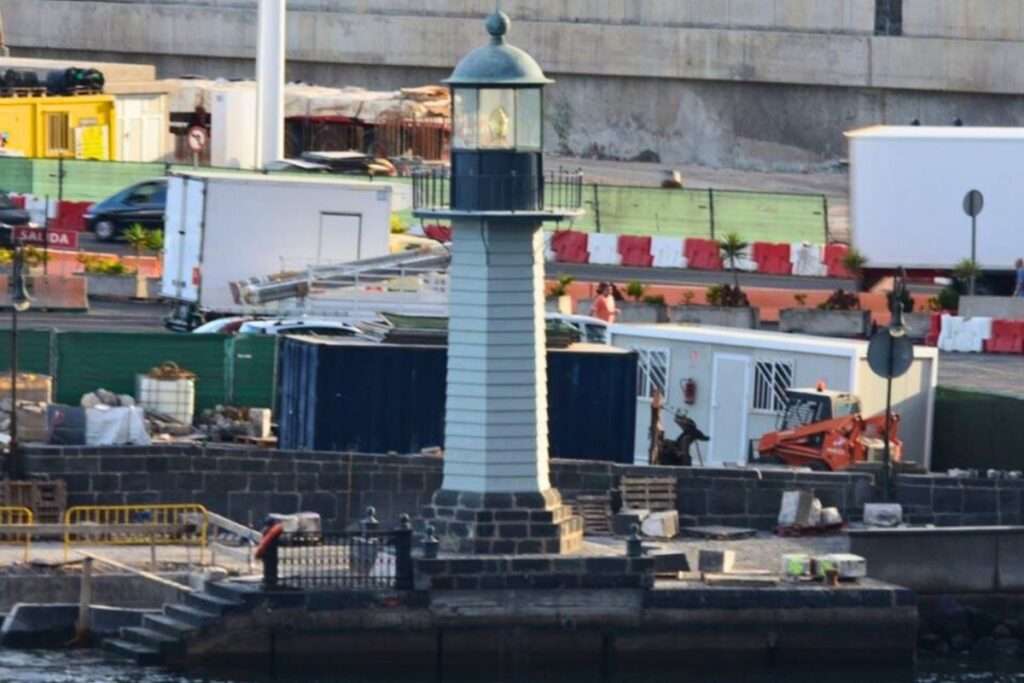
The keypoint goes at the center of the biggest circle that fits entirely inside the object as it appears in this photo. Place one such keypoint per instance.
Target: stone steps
(167, 634)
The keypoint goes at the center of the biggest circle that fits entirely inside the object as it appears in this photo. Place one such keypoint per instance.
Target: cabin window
(772, 381)
(652, 372)
(58, 132)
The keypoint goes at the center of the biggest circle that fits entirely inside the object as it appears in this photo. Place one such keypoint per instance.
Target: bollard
(430, 544)
(84, 599)
(370, 522)
(634, 544)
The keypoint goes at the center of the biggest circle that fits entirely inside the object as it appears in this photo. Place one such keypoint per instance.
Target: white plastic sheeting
(807, 259)
(966, 335)
(604, 249)
(549, 251)
(743, 262)
(109, 426)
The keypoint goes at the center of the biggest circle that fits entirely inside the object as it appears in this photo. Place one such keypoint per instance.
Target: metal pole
(711, 210)
(46, 234)
(974, 261)
(12, 453)
(887, 472)
(597, 209)
(824, 208)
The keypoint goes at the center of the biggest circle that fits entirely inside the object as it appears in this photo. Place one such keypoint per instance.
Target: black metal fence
(554, 192)
(370, 559)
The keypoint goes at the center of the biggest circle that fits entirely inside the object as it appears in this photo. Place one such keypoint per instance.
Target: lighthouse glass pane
(497, 119)
(465, 114)
(528, 120)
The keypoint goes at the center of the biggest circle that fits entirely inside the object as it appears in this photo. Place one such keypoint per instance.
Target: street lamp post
(497, 196)
(20, 302)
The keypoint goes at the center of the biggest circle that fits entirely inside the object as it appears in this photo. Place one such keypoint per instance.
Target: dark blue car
(142, 203)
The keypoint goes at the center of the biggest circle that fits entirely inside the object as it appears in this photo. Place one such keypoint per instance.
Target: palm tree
(733, 248)
(854, 262)
(967, 271)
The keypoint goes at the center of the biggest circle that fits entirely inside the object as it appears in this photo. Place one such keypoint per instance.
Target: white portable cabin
(741, 377)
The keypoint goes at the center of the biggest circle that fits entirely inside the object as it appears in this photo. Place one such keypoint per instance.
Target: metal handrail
(552, 192)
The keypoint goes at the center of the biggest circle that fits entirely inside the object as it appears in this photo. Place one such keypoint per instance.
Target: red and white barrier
(644, 251)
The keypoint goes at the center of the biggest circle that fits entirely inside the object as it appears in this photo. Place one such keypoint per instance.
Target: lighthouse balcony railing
(556, 192)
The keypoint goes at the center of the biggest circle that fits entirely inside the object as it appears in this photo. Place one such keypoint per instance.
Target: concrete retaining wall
(945, 561)
(825, 323)
(246, 484)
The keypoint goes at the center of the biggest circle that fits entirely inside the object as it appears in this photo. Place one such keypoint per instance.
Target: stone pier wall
(247, 483)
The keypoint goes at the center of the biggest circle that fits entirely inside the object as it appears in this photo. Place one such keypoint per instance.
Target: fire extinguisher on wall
(690, 391)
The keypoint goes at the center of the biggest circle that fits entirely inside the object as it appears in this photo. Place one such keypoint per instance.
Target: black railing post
(403, 554)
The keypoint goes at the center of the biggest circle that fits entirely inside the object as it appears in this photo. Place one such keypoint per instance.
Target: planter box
(825, 323)
(720, 316)
(562, 304)
(630, 312)
(917, 324)
(999, 307)
(120, 286)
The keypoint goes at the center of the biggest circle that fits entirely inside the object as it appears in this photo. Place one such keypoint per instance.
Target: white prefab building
(741, 378)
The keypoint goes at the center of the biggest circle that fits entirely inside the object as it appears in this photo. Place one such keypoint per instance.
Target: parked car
(591, 330)
(301, 326)
(227, 325)
(142, 203)
(10, 217)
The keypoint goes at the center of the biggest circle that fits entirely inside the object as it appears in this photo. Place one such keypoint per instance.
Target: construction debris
(883, 514)
(663, 524)
(227, 423)
(718, 533)
(716, 561)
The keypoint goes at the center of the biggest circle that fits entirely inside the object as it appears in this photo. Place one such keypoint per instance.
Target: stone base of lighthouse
(467, 522)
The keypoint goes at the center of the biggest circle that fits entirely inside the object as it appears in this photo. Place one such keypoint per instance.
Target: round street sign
(197, 138)
(974, 202)
(878, 354)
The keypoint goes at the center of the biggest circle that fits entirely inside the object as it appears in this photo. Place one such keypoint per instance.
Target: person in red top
(604, 304)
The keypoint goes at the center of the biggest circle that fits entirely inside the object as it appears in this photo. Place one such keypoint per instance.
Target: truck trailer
(907, 189)
(223, 228)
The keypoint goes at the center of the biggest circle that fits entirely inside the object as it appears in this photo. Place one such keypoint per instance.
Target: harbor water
(92, 667)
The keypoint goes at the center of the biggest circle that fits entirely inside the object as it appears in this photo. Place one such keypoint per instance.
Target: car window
(143, 194)
(597, 334)
(5, 201)
(160, 196)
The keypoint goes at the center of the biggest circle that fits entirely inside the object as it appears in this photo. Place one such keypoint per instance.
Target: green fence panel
(16, 175)
(977, 431)
(768, 217)
(111, 360)
(252, 363)
(33, 351)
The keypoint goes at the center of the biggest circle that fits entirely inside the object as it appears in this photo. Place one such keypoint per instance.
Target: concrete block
(799, 508)
(670, 562)
(795, 565)
(883, 514)
(661, 524)
(716, 561)
(847, 565)
(622, 522)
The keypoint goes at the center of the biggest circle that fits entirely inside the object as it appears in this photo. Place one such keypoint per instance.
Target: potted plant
(639, 307)
(108, 277)
(854, 262)
(558, 299)
(733, 249)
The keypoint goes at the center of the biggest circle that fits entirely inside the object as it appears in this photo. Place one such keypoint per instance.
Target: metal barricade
(183, 524)
(17, 516)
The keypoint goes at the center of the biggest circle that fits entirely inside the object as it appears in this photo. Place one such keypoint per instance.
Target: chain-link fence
(754, 216)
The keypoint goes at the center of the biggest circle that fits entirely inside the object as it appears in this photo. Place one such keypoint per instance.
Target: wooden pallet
(46, 499)
(24, 92)
(643, 493)
(596, 513)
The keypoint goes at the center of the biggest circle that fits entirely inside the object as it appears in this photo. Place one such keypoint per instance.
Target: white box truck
(222, 228)
(907, 188)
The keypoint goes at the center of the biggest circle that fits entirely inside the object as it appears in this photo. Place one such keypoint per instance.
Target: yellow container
(75, 127)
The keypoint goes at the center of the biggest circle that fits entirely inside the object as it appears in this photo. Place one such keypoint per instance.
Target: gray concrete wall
(765, 84)
(968, 19)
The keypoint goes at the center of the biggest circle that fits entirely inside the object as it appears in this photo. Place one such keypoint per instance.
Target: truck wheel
(105, 231)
